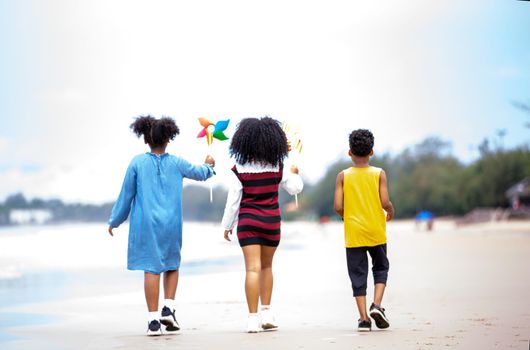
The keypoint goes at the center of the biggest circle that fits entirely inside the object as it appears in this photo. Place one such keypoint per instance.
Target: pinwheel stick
(296, 199)
(211, 131)
(210, 183)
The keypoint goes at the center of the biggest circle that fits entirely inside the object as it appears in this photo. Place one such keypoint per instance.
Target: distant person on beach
(152, 193)
(361, 199)
(427, 217)
(259, 147)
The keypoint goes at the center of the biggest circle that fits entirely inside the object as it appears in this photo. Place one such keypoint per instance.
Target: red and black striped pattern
(259, 212)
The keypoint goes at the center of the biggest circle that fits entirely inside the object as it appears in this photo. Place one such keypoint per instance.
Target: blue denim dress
(152, 193)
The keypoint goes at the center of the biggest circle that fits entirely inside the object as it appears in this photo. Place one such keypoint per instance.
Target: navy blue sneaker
(168, 319)
(153, 328)
(364, 326)
(378, 314)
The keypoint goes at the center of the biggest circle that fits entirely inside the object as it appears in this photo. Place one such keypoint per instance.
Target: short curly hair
(361, 142)
(259, 140)
(156, 132)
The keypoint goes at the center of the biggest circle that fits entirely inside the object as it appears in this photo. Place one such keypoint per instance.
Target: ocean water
(46, 263)
(42, 263)
(60, 262)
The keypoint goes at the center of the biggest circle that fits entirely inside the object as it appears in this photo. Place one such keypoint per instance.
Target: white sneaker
(253, 324)
(267, 320)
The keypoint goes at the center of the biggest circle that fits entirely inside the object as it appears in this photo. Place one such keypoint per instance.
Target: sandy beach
(452, 288)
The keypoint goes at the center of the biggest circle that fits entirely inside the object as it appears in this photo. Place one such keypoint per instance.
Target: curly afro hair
(156, 132)
(259, 141)
(361, 142)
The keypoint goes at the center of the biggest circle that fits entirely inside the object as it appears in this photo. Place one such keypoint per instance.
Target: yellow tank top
(364, 217)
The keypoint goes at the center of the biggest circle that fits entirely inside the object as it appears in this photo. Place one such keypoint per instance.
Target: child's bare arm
(338, 202)
(383, 195)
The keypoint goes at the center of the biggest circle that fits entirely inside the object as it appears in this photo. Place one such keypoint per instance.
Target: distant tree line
(197, 207)
(61, 212)
(427, 176)
(424, 176)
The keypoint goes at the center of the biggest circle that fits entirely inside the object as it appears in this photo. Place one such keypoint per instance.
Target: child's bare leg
(171, 280)
(252, 255)
(379, 290)
(266, 278)
(361, 305)
(152, 290)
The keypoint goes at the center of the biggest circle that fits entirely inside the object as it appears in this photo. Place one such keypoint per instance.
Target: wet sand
(452, 288)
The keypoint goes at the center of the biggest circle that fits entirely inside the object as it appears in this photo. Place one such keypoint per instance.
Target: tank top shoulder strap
(238, 175)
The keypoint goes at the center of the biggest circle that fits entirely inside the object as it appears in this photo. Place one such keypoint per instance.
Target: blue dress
(152, 193)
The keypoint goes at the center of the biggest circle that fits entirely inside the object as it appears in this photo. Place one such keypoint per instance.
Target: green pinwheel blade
(218, 134)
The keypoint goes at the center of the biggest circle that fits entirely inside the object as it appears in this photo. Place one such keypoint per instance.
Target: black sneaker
(153, 328)
(378, 314)
(168, 319)
(364, 326)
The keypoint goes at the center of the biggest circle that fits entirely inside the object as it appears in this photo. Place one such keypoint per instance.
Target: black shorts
(357, 260)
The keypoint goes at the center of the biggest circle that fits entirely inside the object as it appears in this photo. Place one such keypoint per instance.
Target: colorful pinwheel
(217, 131)
(294, 142)
(293, 139)
(211, 131)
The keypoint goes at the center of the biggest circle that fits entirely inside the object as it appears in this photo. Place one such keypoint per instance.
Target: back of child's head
(361, 142)
(259, 140)
(156, 132)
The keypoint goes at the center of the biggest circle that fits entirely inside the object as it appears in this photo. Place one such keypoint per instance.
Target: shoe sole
(170, 324)
(269, 327)
(168, 330)
(154, 333)
(380, 320)
(364, 329)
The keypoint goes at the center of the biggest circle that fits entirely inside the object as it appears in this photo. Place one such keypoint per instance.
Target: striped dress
(252, 202)
(259, 217)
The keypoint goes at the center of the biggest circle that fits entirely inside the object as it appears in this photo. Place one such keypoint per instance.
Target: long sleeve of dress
(292, 183)
(122, 207)
(233, 200)
(195, 172)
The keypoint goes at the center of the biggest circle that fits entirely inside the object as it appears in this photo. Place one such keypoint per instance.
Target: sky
(74, 74)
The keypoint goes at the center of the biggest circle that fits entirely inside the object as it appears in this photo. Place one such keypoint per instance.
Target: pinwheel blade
(205, 122)
(220, 135)
(202, 133)
(221, 125)
(298, 146)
